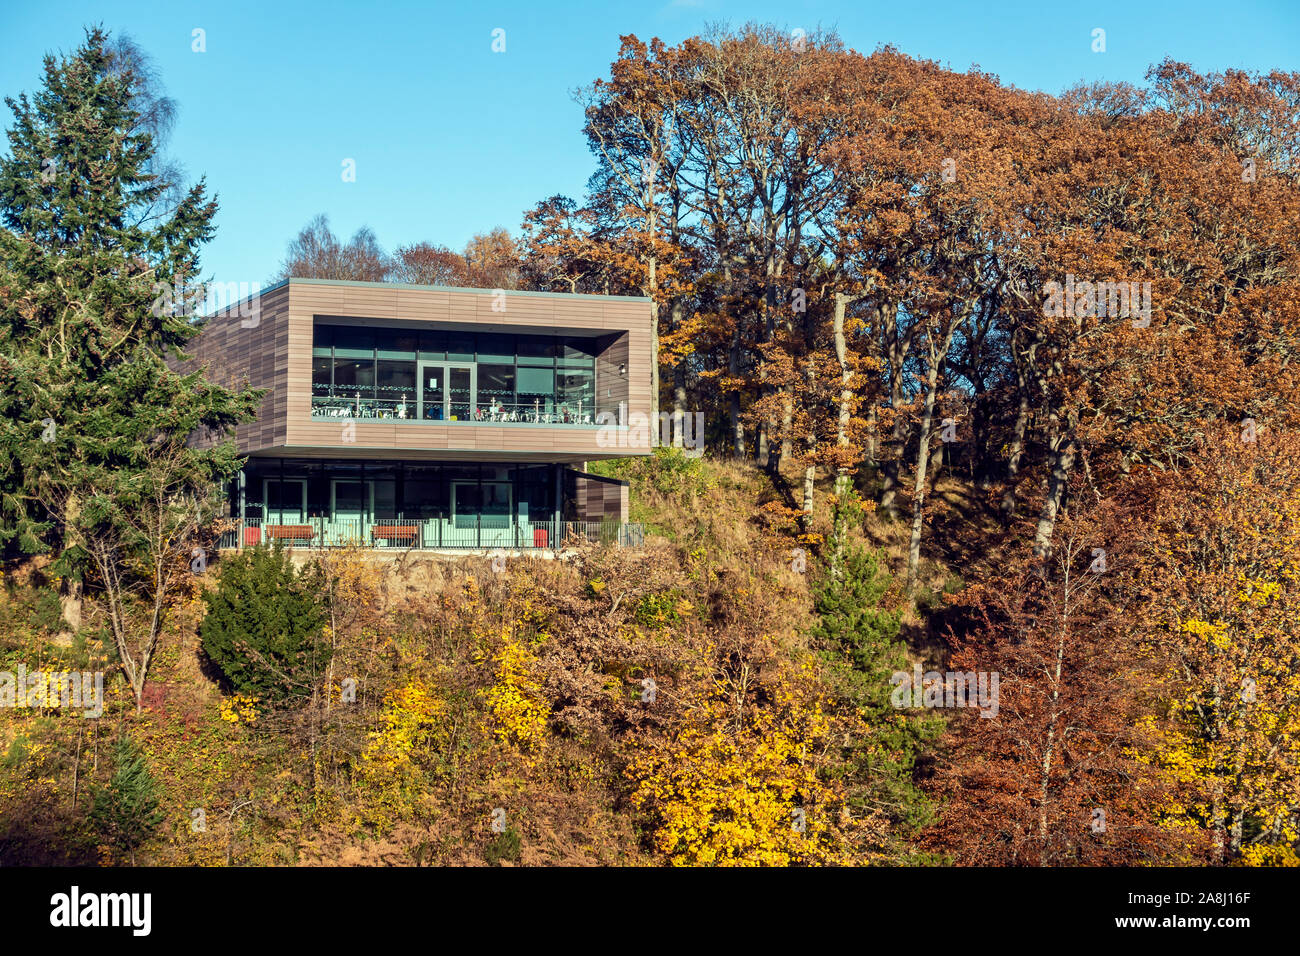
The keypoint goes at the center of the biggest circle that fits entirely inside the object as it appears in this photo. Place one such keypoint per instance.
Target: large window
(354, 377)
(496, 385)
(575, 390)
(375, 372)
(322, 375)
(537, 388)
(395, 381)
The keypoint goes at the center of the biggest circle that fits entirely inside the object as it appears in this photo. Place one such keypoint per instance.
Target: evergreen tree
(858, 639)
(265, 625)
(126, 812)
(90, 234)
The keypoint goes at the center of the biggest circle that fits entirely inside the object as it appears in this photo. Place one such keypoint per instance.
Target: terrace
(464, 534)
(418, 376)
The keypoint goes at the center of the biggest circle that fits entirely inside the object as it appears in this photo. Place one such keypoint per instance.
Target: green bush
(47, 612)
(505, 845)
(126, 813)
(670, 471)
(265, 625)
(858, 637)
(660, 610)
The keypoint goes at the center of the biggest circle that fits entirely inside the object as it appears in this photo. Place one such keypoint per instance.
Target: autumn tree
(1055, 775)
(492, 260)
(1220, 587)
(317, 253)
(424, 263)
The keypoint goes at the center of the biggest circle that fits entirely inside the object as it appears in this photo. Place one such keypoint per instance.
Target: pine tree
(858, 639)
(91, 234)
(265, 624)
(126, 812)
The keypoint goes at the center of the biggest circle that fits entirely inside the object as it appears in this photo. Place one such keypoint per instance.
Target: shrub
(505, 845)
(662, 610)
(265, 625)
(47, 612)
(742, 789)
(857, 635)
(125, 813)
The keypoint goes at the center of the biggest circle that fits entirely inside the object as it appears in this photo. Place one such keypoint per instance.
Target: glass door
(465, 502)
(431, 397)
(460, 393)
(495, 504)
(446, 392)
(286, 501)
(351, 500)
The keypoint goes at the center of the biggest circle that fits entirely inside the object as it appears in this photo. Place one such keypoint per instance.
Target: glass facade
(425, 504)
(444, 376)
(289, 490)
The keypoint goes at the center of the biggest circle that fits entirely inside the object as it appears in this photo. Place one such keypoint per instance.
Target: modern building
(434, 417)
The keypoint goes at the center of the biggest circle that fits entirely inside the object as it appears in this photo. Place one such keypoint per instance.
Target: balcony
(340, 408)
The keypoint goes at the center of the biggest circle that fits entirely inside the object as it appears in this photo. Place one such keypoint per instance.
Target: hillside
(522, 691)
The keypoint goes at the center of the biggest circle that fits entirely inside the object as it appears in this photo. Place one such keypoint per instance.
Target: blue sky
(450, 139)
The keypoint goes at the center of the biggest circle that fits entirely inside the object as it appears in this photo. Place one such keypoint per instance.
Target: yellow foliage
(726, 795)
(515, 700)
(412, 732)
(1225, 575)
(1269, 856)
(239, 709)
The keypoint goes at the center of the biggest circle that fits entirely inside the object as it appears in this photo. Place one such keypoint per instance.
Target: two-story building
(427, 416)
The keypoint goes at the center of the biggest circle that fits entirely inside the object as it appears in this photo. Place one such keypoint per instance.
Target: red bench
(394, 532)
(290, 532)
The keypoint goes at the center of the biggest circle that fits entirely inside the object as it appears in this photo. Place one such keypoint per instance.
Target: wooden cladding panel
(276, 355)
(238, 350)
(597, 499)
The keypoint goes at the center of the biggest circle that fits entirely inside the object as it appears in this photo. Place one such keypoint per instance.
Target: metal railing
(464, 533)
(369, 409)
(334, 409)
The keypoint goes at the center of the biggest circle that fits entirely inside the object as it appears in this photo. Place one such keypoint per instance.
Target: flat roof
(452, 288)
(425, 288)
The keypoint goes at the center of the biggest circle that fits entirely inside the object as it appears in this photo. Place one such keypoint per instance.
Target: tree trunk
(733, 367)
(918, 488)
(937, 353)
(1016, 450)
(787, 424)
(737, 427)
(1023, 362)
(893, 462)
(71, 592)
(71, 588)
(810, 470)
(679, 404)
(842, 477)
(1064, 451)
(873, 429)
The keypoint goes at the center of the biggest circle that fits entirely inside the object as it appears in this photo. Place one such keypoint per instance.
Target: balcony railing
(465, 533)
(387, 409)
